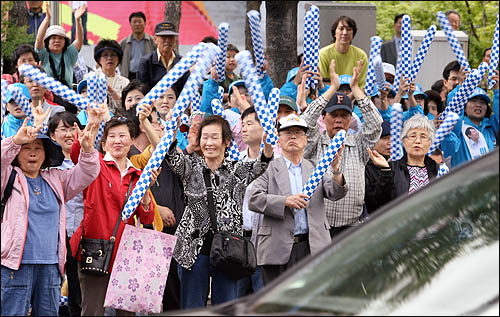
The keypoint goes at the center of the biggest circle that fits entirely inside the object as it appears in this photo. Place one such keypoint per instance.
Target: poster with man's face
(475, 141)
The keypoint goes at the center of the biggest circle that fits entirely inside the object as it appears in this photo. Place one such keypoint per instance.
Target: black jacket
(384, 186)
(151, 70)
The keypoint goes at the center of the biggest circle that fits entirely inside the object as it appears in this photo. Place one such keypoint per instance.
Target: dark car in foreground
(435, 252)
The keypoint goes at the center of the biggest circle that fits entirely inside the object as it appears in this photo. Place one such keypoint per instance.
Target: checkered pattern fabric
(422, 51)
(196, 101)
(218, 109)
(259, 101)
(311, 43)
(258, 47)
(63, 300)
(406, 47)
(396, 128)
(444, 129)
(375, 46)
(100, 132)
(273, 104)
(220, 64)
(21, 100)
(398, 72)
(193, 83)
(174, 74)
(102, 95)
(92, 87)
(221, 94)
(455, 45)
(470, 83)
(4, 93)
(53, 85)
(493, 58)
(185, 119)
(323, 164)
(443, 170)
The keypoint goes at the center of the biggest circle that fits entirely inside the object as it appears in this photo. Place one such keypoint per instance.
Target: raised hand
(25, 134)
(302, 93)
(154, 176)
(96, 114)
(38, 114)
(334, 77)
(297, 201)
(48, 11)
(193, 144)
(86, 138)
(80, 11)
(356, 71)
(302, 69)
(145, 111)
(336, 160)
(495, 77)
(241, 101)
(377, 159)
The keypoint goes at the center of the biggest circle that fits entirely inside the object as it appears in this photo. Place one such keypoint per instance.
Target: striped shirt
(345, 211)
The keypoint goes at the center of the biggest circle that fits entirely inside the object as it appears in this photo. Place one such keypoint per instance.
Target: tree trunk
(18, 14)
(173, 14)
(251, 5)
(281, 38)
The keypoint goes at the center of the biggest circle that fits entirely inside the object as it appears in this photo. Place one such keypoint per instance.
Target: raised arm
(43, 28)
(79, 28)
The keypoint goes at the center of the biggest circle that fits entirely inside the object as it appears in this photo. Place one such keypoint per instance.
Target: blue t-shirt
(43, 224)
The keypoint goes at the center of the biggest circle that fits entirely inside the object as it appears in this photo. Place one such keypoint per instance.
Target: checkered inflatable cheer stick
(196, 101)
(465, 90)
(21, 100)
(452, 40)
(258, 47)
(422, 51)
(173, 75)
(493, 58)
(443, 170)
(379, 72)
(259, 101)
(92, 88)
(444, 129)
(326, 160)
(220, 64)
(193, 83)
(4, 94)
(396, 127)
(221, 93)
(217, 109)
(315, 42)
(398, 73)
(406, 47)
(307, 42)
(376, 44)
(102, 94)
(273, 104)
(53, 85)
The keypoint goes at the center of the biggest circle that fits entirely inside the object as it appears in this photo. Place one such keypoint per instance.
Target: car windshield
(421, 242)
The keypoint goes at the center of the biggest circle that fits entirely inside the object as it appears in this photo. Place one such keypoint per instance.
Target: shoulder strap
(210, 199)
(8, 190)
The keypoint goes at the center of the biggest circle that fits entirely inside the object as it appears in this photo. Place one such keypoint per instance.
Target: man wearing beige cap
(155, 65)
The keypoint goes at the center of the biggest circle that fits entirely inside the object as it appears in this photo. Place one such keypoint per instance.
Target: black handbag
(230, 253)
(97, 253)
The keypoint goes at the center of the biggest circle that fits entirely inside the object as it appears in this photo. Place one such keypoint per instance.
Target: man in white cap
(53, 45)
(389, 72)
(294, 224)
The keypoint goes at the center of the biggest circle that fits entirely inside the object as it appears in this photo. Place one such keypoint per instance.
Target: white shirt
(109, 158)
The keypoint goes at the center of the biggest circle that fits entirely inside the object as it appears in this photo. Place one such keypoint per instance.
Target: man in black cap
(337, 114)
(155, 65)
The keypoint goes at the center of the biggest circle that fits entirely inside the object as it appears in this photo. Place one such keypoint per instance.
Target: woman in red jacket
(103, 201)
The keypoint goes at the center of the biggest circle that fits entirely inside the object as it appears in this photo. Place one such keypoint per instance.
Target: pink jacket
(65, 183)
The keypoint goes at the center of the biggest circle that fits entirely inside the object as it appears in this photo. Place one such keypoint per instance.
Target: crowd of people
(66, 190)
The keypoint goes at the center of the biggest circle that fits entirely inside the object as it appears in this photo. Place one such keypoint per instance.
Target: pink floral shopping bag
(140, 270)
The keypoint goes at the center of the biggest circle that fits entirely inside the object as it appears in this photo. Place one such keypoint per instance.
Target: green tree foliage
(478, 20)
(12, 35)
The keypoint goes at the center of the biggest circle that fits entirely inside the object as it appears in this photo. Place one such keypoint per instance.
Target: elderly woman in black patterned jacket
(415, 169)
(194, 234)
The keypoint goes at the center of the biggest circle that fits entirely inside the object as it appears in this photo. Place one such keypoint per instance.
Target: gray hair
(418, 121)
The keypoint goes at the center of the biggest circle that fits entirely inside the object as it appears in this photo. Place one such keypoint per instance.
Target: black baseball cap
(165, 28)
(339, 101)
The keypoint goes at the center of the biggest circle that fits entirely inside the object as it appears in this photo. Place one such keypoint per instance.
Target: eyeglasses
(65, 130)
(119, 118)
(413, 137)
(294, 133)
(109, 55)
